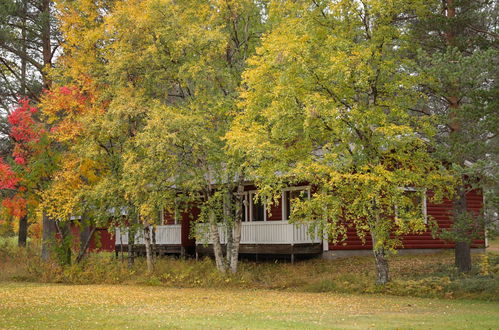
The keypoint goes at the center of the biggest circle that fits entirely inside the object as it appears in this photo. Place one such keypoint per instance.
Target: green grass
(118, 306)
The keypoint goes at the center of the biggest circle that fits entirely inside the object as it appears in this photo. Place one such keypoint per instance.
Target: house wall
(168, 218)
(188, 219)
(102, 240)
(441, 213)
(274, 212)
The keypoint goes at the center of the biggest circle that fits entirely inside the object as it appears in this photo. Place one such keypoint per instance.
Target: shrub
(419, 276)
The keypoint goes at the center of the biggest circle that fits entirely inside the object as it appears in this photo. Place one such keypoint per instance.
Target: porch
(265, 237)
(168, 240)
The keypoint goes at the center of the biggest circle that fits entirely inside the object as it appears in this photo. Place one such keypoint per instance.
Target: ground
(30, 305)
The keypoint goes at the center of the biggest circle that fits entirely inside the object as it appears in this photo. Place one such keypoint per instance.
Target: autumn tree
(31, 162)
(29, 40)
(184, 82)
(72, 109)
(327, 102)
(457, 53)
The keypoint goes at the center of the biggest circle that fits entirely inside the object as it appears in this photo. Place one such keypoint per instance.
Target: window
(257, 208)
(290, 194)
(416, 199)
(171, 218)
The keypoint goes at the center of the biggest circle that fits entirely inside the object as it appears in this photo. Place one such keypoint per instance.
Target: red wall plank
(441, 213)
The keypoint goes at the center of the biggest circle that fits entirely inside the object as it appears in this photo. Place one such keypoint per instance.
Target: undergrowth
(417, 276)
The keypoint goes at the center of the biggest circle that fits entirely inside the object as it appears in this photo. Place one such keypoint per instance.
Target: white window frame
(251, 194)
(285, 216)
(245, 205)
(424, 207)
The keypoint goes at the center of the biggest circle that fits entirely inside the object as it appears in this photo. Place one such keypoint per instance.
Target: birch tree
(327, 102)
(189, 69)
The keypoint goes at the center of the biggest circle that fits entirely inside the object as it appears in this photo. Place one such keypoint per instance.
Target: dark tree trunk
(23, 231)
(46, 42)
(48, 237)
(131, 242)
(462, 250)
(24, 42)
(462, 253)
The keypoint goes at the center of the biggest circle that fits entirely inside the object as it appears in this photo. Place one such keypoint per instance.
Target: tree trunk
(131, 242)
(121, 245)
(237, 230)
(46, 42)
(382, 274)
(23, 231)
(217, 247)
(23, 58)
(147, 240)
(228, 228)
(382, 270)
(153, 243)
(85, 237)
(64, 251)
(462, 250)
(462, 254)
(48, 237)
(84, 234)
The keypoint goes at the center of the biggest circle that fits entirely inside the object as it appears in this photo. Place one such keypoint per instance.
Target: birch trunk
(236, 237)
(153, 243)
(230, 243)
(382, 269)
(217, 247)
(147, 240)
(228, 228)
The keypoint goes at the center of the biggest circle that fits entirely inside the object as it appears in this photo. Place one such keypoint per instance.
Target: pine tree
(458, 55)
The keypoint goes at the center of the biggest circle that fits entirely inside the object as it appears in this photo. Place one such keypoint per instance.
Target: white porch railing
(265, 232)
(168, 235)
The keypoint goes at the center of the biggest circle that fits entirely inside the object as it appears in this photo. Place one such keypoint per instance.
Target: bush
(418, 276)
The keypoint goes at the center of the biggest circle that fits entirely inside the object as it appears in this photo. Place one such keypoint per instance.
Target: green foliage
(328, 101)
(455, 49)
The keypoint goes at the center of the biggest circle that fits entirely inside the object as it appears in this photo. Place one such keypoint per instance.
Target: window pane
(258, 211)
(290, 195)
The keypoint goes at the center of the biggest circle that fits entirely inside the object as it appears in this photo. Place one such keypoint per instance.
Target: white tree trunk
(147, 239)
(236, 236)
(217, 247)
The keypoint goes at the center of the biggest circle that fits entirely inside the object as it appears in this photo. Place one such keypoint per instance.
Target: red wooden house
(266, 230)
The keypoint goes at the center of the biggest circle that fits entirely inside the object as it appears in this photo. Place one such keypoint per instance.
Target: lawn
(31, 305)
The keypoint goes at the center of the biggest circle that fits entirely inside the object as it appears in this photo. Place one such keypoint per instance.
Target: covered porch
(266, 237)
(167, 238)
